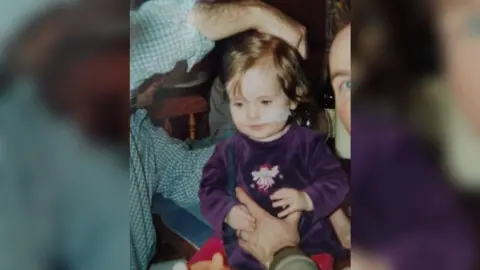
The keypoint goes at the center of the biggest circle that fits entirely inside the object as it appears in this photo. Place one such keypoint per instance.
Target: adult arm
(220, 20)
(329, 184)
(164, 32)
(215, 202)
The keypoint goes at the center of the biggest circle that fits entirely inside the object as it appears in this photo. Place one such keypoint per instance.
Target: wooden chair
(171, 108)
(185, 95)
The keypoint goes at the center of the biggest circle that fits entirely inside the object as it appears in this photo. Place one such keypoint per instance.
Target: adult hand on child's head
(271, 234)
(276, 23)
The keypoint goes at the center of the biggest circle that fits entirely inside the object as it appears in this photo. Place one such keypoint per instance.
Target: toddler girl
(284, 167)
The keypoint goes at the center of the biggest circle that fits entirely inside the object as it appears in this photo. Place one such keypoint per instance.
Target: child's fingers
(244, 209)
(217, 262)
(290, 209)
(281, 203)
(280, 194)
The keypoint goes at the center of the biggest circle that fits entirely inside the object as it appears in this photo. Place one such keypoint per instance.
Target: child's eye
(266, 102)
(238, 104)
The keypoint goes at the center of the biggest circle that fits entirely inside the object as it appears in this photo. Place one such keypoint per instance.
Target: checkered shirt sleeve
(158, 164)
(161, 37)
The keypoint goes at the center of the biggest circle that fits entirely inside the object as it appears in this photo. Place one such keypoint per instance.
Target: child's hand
(217, 263)
(240, 219)
(291, 200)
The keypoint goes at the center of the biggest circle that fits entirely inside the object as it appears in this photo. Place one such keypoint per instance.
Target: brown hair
(251, 49)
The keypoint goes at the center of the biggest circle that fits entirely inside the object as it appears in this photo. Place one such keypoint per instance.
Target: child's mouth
(256, 127)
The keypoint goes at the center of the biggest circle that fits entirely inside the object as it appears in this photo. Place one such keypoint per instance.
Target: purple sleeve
(404, 210)
(428, 229)
(431, 249)
(329, 184)
(215, 202)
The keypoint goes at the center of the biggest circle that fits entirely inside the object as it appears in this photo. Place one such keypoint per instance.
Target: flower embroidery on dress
(264, 177)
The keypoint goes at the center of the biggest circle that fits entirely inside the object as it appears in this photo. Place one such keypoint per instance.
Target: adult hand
(146, 91)
(240, 219)
(271, 234)
(276, 23)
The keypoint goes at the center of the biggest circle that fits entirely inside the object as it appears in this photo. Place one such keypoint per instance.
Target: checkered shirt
(159, 164)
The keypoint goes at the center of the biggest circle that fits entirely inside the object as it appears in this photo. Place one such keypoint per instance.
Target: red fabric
(206, 252)
(214, 245)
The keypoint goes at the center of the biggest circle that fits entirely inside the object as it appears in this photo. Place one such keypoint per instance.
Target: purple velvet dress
(300, 159)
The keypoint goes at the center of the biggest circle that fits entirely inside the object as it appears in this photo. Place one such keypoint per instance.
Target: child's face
(260, 109)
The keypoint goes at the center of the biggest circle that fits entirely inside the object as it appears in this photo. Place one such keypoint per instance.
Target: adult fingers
(255, 210)
(244, 235)
(248, 226)
(246, 215)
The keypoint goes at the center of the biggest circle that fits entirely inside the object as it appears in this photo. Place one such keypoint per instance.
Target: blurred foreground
(63, 133)
(415, 139)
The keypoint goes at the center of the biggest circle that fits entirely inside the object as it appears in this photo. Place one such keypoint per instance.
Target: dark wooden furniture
(181, 102)
(193, 108)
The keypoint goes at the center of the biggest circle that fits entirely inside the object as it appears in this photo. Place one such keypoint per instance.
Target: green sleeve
(292, 258)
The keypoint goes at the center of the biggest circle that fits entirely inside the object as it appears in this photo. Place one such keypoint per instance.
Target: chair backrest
(185, 99)
(182, 94)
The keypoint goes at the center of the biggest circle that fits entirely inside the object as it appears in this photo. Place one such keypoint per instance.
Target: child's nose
(252, 113)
